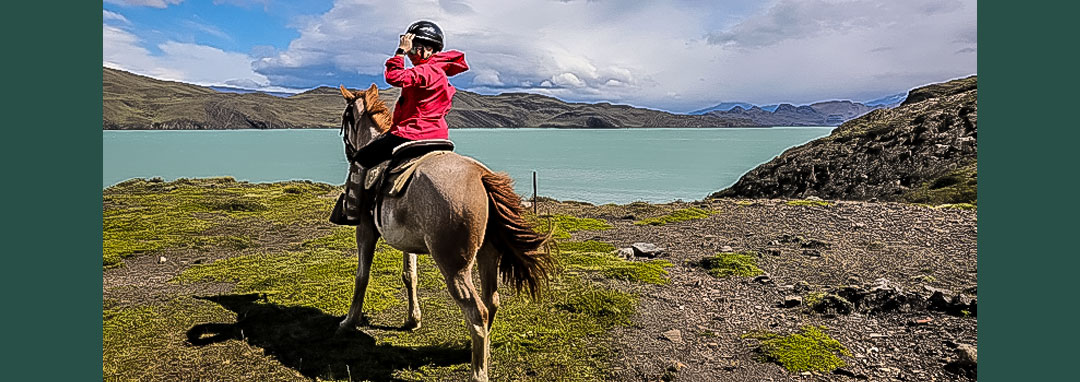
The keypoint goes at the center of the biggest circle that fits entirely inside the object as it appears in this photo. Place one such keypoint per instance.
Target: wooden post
(534, 193)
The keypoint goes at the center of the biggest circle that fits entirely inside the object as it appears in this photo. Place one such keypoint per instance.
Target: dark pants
(377, 150)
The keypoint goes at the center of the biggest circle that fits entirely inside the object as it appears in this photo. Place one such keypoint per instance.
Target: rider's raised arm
(399, 76)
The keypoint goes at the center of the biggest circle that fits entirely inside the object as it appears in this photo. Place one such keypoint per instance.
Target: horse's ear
(373, 89)
(346, 93)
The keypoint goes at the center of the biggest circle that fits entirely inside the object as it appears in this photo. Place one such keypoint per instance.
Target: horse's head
(365, 116)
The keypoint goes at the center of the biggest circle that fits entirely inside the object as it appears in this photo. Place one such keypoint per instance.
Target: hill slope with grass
(923, 151)
(134, 102)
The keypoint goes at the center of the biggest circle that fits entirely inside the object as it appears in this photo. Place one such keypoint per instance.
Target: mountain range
(134, 102)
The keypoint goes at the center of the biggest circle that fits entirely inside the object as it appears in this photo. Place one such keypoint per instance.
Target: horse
(458, 211)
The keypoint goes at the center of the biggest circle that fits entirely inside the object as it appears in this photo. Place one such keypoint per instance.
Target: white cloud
(112, 16)
(145, 3)
(681, 56)
(177, 61)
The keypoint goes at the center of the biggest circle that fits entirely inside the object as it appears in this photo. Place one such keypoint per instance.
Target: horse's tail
(523, 262)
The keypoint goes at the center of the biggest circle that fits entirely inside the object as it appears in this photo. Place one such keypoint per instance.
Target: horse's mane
(378, 111)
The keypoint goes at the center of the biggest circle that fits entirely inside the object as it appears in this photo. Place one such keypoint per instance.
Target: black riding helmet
(427, 33)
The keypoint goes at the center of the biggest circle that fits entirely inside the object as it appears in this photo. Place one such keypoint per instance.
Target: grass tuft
(809, 350)
(681, 215)
(807, 203)
(731, 264)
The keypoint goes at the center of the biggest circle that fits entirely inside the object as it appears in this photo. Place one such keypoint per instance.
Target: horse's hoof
(411, 325)
(345, 325)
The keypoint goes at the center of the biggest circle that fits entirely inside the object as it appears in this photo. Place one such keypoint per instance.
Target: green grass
(731, 264)
(681, 215)
(566, 224)
(286, 333)
(809, 350)
(958, 187)
(956, 206)
(807, 203)
(146, 216)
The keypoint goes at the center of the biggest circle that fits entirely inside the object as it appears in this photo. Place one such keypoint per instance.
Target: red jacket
(426, 94)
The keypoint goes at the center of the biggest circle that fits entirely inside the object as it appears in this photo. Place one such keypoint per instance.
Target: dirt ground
(911, 246)
(852, 244)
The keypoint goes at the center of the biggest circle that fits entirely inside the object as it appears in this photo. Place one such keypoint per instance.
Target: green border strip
(51, 155)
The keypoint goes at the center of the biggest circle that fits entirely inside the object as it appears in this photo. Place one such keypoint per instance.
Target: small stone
(673, 335)
(726, 248)
(812, 253)
(762, 279)
(675, 365)
(814, 198)
(646, 250)
(860, 225)
(625, 253)
(801, 286)
(967, 355)
(162, 260)
(792, 301)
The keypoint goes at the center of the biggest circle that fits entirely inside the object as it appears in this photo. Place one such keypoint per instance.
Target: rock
(966, 361)
(762, 279)
(673, 335)
(814, 198)
(812, 253)
(967, 354)
(625, 253)
(675, 365)
(833, 304)
(791, 301)
(772, 251)
(162, 260)
(647, 250)
(801, 286)
(726, 248)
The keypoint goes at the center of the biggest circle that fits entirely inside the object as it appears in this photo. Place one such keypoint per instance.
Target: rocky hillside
(921, 151)
(131, 101)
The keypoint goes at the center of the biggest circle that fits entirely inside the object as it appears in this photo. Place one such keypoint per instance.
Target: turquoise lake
(597, 166)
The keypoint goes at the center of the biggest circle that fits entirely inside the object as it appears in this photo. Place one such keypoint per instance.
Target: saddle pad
(402, 173)
(373, 173)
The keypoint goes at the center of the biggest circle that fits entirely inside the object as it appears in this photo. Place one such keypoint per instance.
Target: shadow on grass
(305, 339)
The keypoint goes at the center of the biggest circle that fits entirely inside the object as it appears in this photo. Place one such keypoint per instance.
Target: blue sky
(676, 56)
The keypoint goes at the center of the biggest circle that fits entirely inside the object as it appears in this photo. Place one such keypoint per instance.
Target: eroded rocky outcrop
(921, 151)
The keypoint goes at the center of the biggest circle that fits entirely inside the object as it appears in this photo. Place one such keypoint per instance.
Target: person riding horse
(454, 209)
(426, 93)
(426, 98)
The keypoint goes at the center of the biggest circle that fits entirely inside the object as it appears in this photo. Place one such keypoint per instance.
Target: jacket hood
(451, 62)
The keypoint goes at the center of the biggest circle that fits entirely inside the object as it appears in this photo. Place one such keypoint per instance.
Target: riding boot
(350, 205)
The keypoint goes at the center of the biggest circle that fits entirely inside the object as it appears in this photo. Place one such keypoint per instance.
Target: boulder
(647, 250)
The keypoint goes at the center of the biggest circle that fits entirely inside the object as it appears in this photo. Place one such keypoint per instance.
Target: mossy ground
(278, 321)
(808, 350)
(731, 264)
(146, 216)
(685, 214)
(820, 203)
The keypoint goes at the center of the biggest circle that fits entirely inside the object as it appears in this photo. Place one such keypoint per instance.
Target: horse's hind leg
(488, 262)
(409, 277)
(366, 237)
(459, 284)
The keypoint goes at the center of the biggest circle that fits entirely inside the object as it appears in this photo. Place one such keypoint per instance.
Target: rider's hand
(406, 42)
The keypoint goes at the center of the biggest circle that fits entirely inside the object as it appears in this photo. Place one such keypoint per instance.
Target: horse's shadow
(306, 340)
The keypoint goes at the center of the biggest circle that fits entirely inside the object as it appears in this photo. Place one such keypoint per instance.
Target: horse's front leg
(366, 237)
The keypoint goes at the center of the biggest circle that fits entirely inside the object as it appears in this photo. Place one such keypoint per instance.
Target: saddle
(396, 171)
(365, 188)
